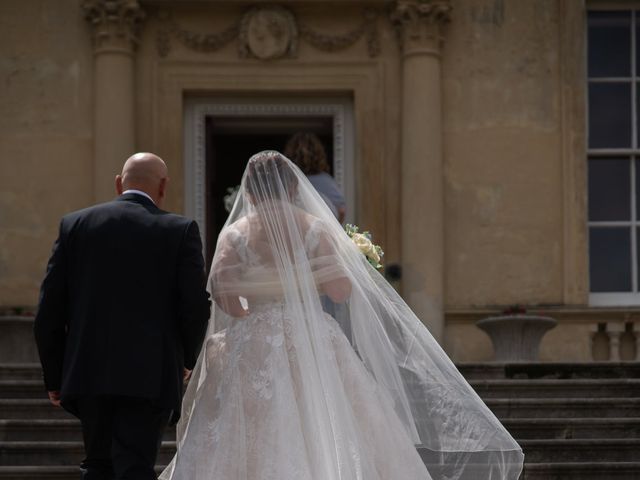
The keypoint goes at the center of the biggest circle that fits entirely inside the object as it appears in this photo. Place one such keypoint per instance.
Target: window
(613, 59)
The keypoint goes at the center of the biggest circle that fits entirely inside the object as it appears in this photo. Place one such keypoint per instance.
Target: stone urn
(516, 338)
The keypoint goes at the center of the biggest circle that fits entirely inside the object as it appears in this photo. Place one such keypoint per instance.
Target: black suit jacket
(123, 306)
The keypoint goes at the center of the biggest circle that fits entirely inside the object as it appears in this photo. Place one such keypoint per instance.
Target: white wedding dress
(280, 393)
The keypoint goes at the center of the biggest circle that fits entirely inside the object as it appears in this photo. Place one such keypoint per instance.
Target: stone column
(418, 23)
(115, 24)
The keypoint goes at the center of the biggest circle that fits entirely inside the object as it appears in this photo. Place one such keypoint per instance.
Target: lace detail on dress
(253, 419)
(251, 423)
(241, 245)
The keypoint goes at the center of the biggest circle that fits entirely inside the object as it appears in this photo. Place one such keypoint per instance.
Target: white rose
(373, 255)
(366, 247)
(362, 242)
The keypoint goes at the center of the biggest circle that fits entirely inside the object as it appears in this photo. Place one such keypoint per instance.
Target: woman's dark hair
(269, 176)
(307, 152)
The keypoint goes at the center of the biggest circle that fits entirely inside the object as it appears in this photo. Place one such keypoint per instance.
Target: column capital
(115, 24)
(418, 24)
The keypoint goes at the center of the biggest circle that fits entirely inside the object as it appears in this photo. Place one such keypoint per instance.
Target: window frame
(632, 154)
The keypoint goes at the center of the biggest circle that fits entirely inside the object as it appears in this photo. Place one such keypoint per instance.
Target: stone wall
(45, 135)
(513, 140)
(504, 140)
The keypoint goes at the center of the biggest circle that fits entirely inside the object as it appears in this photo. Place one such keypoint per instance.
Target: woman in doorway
(307, 152)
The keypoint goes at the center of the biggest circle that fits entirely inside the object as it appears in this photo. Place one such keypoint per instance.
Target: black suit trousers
(122, 437)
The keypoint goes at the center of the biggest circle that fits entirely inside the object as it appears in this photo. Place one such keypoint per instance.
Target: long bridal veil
(297, 256)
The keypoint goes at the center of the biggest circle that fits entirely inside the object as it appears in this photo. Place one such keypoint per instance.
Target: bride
(280, 393)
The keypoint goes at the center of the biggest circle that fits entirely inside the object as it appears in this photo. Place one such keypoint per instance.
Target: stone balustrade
(615, 341)
(582, 334)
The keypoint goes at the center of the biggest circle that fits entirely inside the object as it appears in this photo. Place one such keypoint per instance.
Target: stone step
(485, 388)
(58, 453)
(581, 471)
(502, 408)
(553, 451)
(31, 408)
(556, 388)
(26, 389)
(20, 371)
(14, 368)
(580, 450)
(16, 430)
(609, 407)
(17, 343)
(44, 472)
(532, 471)
(520, 428)
(567, 428)
(22, 389)
(60, 430)
(531, 370)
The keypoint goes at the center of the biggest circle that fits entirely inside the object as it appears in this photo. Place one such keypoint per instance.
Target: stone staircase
(573, 421)
(37, 440)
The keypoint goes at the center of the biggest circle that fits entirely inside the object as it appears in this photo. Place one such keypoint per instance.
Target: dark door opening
(231, 141)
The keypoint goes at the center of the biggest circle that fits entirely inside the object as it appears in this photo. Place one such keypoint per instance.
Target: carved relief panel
(268, 32)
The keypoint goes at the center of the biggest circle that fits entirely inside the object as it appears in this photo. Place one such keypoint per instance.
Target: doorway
(231, 141)
(222, 134)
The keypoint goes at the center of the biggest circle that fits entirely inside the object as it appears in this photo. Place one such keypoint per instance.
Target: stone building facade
(458, 131)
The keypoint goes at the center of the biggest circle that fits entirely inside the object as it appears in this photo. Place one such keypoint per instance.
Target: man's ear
(119, 188)
(162, 189)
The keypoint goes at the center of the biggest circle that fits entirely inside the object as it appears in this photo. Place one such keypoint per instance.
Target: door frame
(197, 109)
(373, 86)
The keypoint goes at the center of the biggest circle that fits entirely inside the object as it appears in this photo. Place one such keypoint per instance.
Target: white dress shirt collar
(138, 192)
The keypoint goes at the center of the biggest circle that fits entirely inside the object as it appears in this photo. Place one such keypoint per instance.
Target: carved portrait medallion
(268, 33)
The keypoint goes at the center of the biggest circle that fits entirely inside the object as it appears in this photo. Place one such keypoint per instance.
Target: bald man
(122, 314)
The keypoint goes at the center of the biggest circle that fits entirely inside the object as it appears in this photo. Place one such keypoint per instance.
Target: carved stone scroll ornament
(268, 33)
(332, 43)
(418, 24)
(199, 42)
(115, 23)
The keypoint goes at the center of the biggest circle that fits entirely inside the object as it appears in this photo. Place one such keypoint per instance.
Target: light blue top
(326, 185)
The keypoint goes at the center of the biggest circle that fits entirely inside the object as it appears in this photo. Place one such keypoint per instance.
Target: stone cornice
(115, 24)
(418, 24)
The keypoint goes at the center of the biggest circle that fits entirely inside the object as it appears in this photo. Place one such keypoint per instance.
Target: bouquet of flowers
(363, 241)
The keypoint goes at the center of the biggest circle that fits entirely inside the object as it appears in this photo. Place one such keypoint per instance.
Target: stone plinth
(516, 337)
